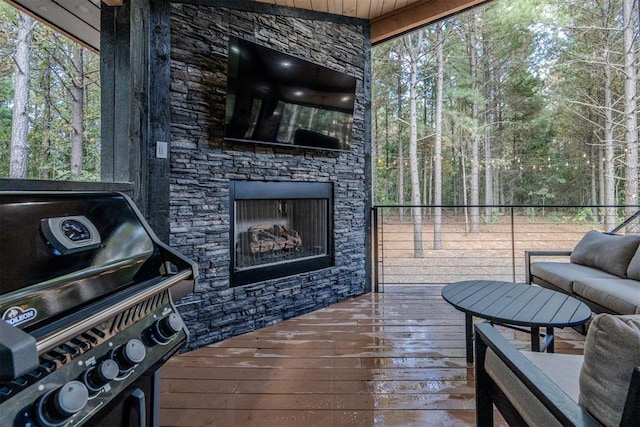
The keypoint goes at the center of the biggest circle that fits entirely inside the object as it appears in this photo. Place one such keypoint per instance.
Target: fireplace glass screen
(279, 231)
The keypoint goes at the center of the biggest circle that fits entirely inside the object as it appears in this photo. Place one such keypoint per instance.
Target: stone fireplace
(279, 229)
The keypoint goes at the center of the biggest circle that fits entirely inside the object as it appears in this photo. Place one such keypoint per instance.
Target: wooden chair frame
(559, 404)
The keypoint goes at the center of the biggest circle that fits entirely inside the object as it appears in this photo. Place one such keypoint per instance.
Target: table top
(516, 303)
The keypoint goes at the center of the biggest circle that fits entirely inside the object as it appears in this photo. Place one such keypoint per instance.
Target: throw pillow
(611, 352)
(608, 252)
(633, 272)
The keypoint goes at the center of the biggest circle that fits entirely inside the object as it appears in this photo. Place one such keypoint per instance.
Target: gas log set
(263, 238)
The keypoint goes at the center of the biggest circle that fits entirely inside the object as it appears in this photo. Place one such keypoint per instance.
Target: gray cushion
(612, 350)
(562, 369)
(619, 295)
(609, 252)
(633, 271)
(528, 406)
(564, 274)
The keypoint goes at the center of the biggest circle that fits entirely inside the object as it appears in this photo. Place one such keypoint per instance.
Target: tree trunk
(630, 92)
(400, 154)
(489, 120)
(609, 177)
(387, 181)
(475, 135)
(425, 177)
(437, 167)
(413, 51)
(46, 118)
(463, 170)
(292, 123)
(594, 179)
(77, 109)
(601, 171)
(312, 118)
(22, 86)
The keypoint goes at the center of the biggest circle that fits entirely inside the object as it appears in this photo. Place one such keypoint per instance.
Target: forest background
(522, 102)
(49, 103)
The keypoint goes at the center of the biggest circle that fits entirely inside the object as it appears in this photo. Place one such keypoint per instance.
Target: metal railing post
(374, 217)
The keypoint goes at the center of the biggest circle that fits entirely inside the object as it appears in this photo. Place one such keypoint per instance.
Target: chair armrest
(529, 254)
(631, 413)
(550, 395)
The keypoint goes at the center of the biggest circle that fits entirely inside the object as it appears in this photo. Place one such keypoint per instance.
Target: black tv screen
(275, 98)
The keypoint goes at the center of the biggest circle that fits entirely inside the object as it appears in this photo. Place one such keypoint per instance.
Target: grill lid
(62, 251)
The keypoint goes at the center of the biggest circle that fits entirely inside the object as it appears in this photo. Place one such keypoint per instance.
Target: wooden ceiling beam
(416, 15)
(113, 2)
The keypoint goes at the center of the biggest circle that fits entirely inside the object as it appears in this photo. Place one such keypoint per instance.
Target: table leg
(535, 338)
(550, 340)
(468, 326)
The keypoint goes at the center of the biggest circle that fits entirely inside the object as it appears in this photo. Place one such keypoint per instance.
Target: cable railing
(454, 243)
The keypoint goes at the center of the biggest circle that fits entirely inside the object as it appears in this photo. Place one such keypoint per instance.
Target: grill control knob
(54, 408)
(98, 377)
(166, 328)
(129, 355)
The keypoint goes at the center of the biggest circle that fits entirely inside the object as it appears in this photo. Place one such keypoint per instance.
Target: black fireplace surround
(279, 229)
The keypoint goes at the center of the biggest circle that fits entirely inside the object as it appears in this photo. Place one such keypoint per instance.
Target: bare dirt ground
(494, 252)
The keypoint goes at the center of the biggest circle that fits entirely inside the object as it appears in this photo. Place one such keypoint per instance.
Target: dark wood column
(159, 118)
(114, 74)
(135, 68)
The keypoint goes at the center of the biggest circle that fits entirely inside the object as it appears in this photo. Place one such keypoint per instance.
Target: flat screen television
(276, 98)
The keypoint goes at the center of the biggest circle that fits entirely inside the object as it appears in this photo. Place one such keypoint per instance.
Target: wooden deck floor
(391, 359)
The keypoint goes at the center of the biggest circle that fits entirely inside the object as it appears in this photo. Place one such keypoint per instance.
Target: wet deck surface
(391, 359)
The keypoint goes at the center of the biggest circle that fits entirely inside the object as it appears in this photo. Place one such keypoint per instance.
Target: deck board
(390, 359)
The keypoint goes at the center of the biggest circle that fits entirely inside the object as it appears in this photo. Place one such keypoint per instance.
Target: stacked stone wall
(202, 164)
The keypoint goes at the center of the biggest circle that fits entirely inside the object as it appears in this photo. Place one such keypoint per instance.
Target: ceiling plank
(86, 11)
(376, 8)
(77, 23)
(302, 4)
(334, 6)
(349, 7)
(388, 6)
(415, 15)
(113, 2)
(319, 5)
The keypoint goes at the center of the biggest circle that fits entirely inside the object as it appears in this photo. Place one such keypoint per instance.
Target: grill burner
(86, 295)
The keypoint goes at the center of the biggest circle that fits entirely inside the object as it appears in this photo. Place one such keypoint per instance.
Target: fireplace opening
(279, 229)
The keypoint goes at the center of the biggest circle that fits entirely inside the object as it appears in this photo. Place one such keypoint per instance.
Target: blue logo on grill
(16, 315)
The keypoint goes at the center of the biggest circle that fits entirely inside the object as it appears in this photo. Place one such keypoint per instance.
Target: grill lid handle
(18, 352)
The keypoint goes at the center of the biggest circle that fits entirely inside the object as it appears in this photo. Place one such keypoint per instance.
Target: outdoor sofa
(549, 389)
(603, 270)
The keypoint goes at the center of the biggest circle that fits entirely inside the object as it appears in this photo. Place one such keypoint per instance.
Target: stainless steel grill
(86, 299)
